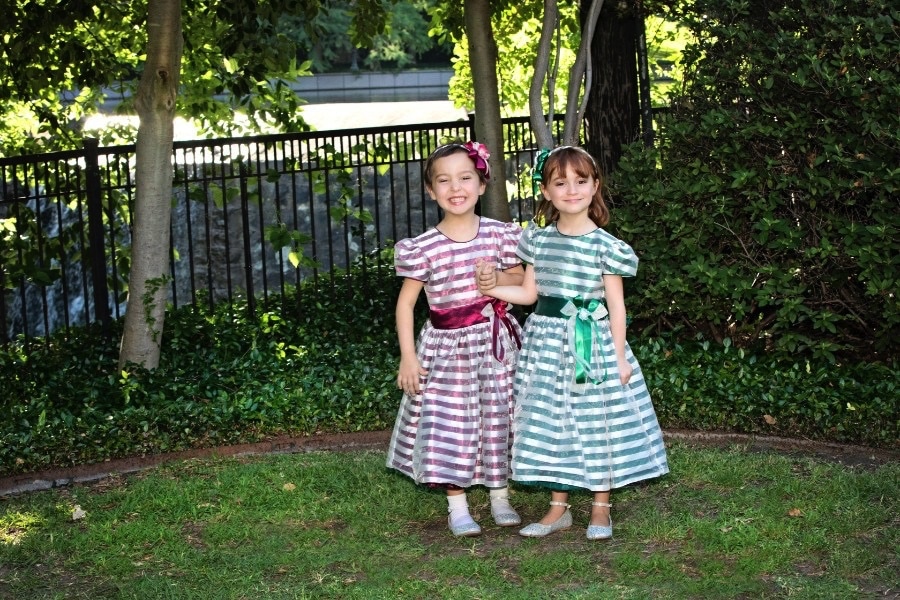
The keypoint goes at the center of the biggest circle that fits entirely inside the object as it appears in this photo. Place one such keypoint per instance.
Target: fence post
(248, 256)
(95, 233)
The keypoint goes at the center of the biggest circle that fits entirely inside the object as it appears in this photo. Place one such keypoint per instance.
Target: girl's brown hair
(447, 150)
(576, 159)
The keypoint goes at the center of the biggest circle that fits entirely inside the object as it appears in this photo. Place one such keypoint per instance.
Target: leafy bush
(704, 386)
(325, 361)
(768, 212)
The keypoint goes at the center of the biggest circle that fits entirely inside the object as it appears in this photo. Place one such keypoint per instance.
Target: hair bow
(480, 155)
(537, 172)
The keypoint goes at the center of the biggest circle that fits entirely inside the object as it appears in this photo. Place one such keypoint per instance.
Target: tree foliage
(326, 40)
(768, 211)
(517, 30)
(235, 57)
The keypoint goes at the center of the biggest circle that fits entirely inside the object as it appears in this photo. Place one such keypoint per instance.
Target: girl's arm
(524, 294)
(512, 276)
(615, 303)
(490, 277)
(410, 372)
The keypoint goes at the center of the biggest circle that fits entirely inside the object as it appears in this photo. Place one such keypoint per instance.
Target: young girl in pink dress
(453, 426)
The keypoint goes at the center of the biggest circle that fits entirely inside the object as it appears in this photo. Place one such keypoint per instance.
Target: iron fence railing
(252, 217)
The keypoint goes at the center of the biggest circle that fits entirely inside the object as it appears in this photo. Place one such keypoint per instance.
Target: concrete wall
(365, 86)
(362, 86)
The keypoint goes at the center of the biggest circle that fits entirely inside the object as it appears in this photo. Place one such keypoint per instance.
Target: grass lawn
(725, 523)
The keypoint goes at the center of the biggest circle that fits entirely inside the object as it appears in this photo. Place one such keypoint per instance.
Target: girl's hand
(409, 378)
(625, 370)
(486, 275)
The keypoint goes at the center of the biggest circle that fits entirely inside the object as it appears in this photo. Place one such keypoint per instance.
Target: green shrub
(326, 360)
(322, 360)
(768, 211)
(712, 387)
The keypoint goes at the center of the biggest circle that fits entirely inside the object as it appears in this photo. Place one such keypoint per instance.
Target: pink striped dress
(457, 431)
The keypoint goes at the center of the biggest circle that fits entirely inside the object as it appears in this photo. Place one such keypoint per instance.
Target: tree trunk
(613, 115)
(541, 125)
(488, 124)
(576, 103)
(155, 102)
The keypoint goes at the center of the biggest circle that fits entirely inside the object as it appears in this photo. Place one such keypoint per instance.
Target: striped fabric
(594, 436)
(458, 430)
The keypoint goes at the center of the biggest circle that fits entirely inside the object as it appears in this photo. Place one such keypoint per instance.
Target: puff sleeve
(410, 261)
(525, 249)
(509, 242)
(620, 259)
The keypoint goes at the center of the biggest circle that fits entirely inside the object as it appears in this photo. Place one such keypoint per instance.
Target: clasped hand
(486, 275)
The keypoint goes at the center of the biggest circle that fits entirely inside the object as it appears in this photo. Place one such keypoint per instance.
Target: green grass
(722, 524)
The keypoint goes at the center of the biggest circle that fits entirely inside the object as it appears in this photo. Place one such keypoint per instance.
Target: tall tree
(234, 50)
(543, 73)
(488, 122)
(147, 290)
(470, 25)
(612, 119)
(579, 80)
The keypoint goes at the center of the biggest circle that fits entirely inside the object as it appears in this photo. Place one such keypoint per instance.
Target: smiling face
(571, 184)
(570, 192)
(455, 183)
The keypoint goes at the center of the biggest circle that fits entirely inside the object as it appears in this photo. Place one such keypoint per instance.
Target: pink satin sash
(478, 312)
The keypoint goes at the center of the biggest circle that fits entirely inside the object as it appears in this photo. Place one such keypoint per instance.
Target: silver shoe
(507, 518)
(505, 515)
(540, 530)
(464, 529)
(600, 532)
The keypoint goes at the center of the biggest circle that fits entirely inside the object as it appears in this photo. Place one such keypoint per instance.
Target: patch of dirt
(851, 456)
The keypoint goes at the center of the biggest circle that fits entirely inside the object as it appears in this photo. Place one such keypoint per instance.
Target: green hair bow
(537, 172)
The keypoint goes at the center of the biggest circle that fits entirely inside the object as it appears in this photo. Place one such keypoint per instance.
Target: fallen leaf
(78, 513)
(795, 512)
(770, 419)
(289, 487)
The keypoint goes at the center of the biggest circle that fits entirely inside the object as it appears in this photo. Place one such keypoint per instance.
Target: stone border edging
(64, 476)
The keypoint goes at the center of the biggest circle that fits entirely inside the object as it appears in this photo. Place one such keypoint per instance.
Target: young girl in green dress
(583, 416)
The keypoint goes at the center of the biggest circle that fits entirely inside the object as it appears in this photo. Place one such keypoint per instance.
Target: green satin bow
(537, 173)
(583, 315)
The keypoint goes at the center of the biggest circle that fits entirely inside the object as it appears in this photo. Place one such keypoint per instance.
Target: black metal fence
(251, 217)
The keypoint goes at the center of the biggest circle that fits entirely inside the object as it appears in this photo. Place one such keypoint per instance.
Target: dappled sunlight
(14, 527)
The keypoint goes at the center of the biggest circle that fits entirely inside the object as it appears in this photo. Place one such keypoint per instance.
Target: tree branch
(542, 132)
(574, 108)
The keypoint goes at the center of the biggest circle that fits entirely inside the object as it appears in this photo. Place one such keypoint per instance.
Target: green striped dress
(576, 426)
